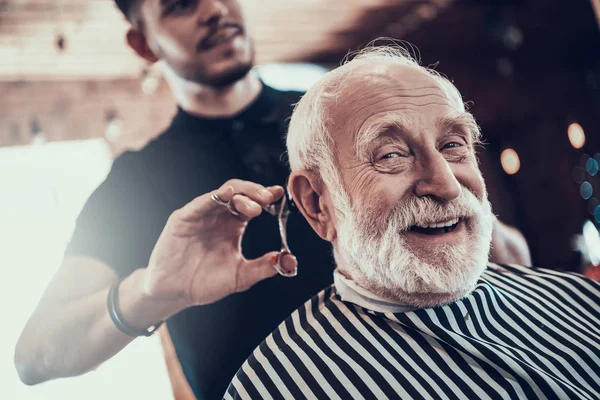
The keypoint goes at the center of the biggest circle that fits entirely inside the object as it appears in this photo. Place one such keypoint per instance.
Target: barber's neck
(208, 101)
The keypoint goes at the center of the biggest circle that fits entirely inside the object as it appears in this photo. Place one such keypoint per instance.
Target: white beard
(382, 263)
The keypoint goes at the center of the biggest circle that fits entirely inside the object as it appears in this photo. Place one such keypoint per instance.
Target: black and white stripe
(523, 333)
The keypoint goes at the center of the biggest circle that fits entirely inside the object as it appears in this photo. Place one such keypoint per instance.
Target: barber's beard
(378, 258)
(204, 73)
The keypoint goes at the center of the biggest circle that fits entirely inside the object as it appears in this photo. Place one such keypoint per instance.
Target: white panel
(42, 189)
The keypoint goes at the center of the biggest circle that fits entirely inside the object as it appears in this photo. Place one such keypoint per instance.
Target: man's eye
(390, 155)
(451, 145)
(180, 6)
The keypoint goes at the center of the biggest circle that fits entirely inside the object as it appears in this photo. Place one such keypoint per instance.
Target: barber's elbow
(27, 368)
(40, 362)
(509, 246)
(519, 251)
(31, 360)
(27, 377)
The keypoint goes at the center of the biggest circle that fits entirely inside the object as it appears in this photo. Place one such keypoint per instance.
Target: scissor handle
(280, 270)
(282, 212)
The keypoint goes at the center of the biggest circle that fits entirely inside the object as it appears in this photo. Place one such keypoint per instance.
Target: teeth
(440, 224)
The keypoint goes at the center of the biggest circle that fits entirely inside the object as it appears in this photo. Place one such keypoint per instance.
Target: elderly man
(384, 168)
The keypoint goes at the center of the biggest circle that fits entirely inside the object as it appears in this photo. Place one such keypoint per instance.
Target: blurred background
(73, 96)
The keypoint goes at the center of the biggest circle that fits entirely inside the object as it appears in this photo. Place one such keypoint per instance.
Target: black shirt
(124, 217)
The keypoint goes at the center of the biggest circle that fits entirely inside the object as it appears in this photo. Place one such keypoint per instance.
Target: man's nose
(436, 179)
(211, 11)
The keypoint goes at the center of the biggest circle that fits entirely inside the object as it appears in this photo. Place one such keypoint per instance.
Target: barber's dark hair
(126, 6)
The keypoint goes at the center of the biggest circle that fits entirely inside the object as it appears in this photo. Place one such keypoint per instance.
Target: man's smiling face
(420, 223)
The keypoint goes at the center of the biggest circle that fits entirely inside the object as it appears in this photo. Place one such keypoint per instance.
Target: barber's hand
(198, 258)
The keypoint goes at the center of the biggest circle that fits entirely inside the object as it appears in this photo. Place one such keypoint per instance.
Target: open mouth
(436, 228)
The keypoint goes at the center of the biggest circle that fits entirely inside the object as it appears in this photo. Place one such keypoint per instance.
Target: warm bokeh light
(576, 135)
(510, 161)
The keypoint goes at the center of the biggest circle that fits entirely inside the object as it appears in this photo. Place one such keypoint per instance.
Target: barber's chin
(230, 75)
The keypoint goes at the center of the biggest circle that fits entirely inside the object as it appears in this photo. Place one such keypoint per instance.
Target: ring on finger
(214, 197)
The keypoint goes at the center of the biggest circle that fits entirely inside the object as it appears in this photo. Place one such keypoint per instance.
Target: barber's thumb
(258, 269)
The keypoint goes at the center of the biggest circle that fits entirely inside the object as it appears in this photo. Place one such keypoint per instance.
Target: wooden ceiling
(516, 59)
(478, 31)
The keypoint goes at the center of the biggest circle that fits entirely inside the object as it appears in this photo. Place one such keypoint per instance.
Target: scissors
(282, 210)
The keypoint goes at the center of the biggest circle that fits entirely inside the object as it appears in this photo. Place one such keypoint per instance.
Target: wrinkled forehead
(389, 88)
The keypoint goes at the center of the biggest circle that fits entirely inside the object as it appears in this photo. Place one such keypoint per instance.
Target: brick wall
(78, 110)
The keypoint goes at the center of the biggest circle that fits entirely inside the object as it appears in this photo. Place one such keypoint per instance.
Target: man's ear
(312, 199)
(138, 42)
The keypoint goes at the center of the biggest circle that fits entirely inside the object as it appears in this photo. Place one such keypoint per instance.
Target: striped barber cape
(523, 333)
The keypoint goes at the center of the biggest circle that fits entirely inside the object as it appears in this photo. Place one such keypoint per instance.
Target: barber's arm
(197, 260)
(509, 246)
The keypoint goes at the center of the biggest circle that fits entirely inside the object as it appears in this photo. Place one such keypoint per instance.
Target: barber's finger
(277, 191)
(202, 205)
(256, 192)
(254, 271)
(246, 207)
(225, 193)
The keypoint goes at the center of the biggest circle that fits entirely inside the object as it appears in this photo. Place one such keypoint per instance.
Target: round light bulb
(510, 161)
(576, 135)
